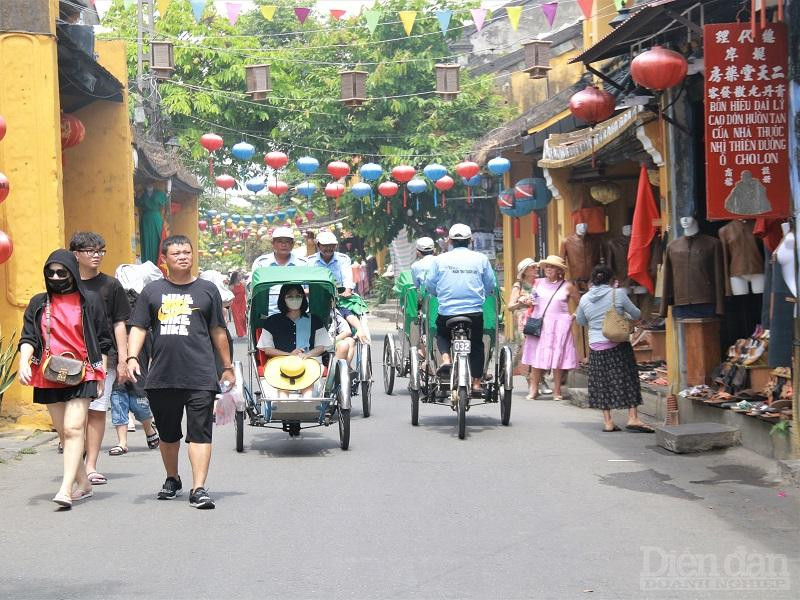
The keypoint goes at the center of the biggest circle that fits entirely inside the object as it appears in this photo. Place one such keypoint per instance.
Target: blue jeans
(123, 402)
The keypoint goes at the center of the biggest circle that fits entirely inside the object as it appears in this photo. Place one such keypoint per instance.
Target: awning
(156, 163)
(654, 18)
(616, 136)
(81, 79)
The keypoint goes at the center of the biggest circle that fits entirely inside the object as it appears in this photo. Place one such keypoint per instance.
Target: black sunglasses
(63, 273)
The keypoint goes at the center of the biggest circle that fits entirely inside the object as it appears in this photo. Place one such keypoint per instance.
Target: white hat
(459, 231)
(326, 237)
(523, 266)
(425, 244)
(282, 232)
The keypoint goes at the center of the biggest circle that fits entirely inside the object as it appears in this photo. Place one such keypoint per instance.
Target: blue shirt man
(282, 256)
(337, 263)
(420, 267)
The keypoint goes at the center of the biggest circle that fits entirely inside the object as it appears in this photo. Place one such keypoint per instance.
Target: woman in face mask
(293, 330)
(62, 354)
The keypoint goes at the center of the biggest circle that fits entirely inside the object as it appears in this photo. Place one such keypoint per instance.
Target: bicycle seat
(450, 323)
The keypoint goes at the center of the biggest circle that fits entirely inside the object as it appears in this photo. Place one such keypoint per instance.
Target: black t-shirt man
(180, 318)
(115, 302)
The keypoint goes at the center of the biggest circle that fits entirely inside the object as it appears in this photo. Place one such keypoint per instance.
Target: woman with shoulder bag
(548, 327)
(613, 378)
(62, 353)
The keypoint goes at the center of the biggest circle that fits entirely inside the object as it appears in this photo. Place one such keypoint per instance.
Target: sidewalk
(16, 443)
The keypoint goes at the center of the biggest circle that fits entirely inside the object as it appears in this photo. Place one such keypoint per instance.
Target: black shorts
(87, 389)
(167, 406)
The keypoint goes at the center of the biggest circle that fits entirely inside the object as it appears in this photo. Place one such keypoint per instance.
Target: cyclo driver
(461, 279)
(340, 266)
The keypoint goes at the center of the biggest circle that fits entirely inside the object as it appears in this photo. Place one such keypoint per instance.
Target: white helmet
(425, 244)
(459, 231)
(326, 237)
(282, 232)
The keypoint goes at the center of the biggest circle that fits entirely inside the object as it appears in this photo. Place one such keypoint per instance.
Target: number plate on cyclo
(462, 345)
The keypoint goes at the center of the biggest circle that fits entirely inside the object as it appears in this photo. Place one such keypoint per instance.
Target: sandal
(79, 495)
(96, 478)
(615, 428)
(640, 428)
(153, 440)
(117, 451)
(63, 500)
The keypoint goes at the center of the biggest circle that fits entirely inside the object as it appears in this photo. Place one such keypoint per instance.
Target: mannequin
(744, 264)
(785, 255)
(617, 253)
(150, 204)
(693, 274)
(582, 252)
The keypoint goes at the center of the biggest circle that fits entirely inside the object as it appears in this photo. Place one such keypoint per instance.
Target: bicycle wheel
(463, 400)
(239, 423)
(388, 365)
(414, 407)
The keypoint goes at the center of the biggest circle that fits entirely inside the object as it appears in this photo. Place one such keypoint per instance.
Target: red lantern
(5, 187)
(334, 189)
(211, 142)
(279, 188)
(592, 105)
(202, 225)
(298, 220)
(443, 184)
(72, 131)
(226, 182)
(659, 68)
(388, 189)
(174, 208)
(244, 234)
(216, 229)
(6, 247)
(338, 169)
(2, 127)
(276, 160)
(230, 232)
(467, 169)
(404, 174)
(309, 215)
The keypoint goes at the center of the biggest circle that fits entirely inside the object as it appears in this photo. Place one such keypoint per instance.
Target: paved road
(549, 507)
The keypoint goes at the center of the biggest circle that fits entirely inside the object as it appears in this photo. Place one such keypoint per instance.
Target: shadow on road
(278, 444)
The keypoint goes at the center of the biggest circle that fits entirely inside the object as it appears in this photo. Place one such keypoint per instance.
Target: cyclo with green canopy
(397, 344)
(455, 391)
(269, 407)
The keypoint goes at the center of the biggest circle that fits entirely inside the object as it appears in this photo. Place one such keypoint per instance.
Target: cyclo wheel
(366, 398)
(463, 400)
(239, 423)
(414, 407)
(388, 366)
(344, 428)
(505, 404)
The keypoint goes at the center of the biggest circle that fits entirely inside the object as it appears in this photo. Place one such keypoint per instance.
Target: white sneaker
(131, 424)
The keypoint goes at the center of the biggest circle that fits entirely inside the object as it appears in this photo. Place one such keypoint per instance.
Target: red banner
(746, 112)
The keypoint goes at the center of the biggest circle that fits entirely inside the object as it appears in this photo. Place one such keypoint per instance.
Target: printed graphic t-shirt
(180, 318)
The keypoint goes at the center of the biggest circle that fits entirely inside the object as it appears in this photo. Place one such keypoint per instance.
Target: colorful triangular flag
(198, 8)
(268, 12)
(444, 16)
(372, 17)
(514, 13)
(233, 9)
(302, 14)
(102, 6)
(586, 7)
(337, 13)
(162, 6)
(408, 17)
(549, 9)
(478, 17)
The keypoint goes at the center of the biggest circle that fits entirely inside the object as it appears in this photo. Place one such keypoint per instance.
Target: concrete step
(696, 437)
(383, 313)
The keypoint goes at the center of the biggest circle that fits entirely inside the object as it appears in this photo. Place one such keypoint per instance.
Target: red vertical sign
(746, 113)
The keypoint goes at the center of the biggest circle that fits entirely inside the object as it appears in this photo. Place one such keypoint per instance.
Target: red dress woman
(239, 304)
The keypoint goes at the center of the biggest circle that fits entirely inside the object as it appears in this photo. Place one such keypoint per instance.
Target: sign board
(746, 121)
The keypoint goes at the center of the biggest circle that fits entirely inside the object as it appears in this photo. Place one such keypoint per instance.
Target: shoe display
(172, 488)
(199, 498)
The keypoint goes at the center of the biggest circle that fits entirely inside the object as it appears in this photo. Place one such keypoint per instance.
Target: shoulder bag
(616, 327)
(61, 368)
(533, 325)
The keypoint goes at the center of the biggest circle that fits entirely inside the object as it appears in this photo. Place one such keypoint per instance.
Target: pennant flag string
(586, 7)
(233, 8)
(198, 8)
(478, 17)
(302, 14)
(372, 17)
(162, 6)
(102, 6)
(408, 17)
(549, 9)
(444, 17)
(514, 13)
(268, 12)
(337, 13)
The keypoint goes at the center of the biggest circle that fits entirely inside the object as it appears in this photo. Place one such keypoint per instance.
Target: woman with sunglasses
(66, 320)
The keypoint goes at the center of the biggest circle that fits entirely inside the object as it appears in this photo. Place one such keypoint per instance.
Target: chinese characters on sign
(746, 111)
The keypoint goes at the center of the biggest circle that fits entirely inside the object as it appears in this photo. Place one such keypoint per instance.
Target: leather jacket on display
(740, 251)
(582, 253)
(693, 273)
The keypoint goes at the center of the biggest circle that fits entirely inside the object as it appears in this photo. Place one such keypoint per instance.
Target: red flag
(642, 233)
(586, 7)
(162, 263)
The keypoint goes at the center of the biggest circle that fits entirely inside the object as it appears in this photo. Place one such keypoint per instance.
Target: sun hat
(554, 261)
(282, 232)
(326, 237)
(459, 231)
(523, 266)
(292, 373)
(425, 244)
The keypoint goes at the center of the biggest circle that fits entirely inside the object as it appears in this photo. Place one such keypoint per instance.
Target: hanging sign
(746, 112)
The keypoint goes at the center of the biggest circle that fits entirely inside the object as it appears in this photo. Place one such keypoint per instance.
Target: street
(549, 507)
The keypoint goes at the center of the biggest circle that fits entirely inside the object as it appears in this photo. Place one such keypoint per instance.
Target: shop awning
(616, 136)
(81, 79)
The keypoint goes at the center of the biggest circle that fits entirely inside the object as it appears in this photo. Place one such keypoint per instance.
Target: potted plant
(8, 356)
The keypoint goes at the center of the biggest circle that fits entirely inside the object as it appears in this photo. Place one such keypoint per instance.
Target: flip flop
(153, 440)
(117, 451)
(79, 495)
(640, 428)
(63, 500)
(96, 478)
(611, 430)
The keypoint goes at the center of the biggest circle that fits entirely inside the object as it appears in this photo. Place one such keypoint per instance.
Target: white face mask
(294, 303)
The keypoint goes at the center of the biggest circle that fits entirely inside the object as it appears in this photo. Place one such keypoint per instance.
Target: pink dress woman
(554, 348)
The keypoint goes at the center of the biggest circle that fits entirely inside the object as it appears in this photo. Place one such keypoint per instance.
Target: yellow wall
(184, 222)
(527, 93)
(98, 172)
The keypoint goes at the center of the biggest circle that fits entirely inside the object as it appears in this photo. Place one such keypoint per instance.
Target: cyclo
(397, 344)
(277, 408)
(455, 391)
(361, 368)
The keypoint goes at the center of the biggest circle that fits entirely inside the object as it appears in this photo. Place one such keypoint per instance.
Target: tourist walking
(89, 249)
(613, 378)
(184, 314)
(239, 304)
(62, 353)
(554, 347)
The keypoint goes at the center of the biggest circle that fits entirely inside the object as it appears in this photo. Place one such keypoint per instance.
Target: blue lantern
(370, 172)
(361, 189)
(499, 165)
(259, 218)
(270, 217)
(307, 164)
(291, 212)
(434, 171)
(417, 186)
(306, 189)
(473, 181)
(236, 218)
(243, 151)
(224, 216)
(211, 214)
(256, 184)
(281, 216)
